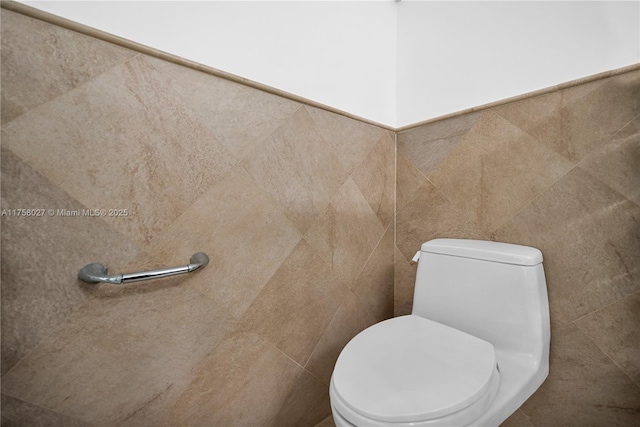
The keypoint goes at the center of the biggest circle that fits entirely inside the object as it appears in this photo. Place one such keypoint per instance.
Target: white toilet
(475, 347)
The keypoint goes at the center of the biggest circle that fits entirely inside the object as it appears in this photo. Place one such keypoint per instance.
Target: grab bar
(96, 272)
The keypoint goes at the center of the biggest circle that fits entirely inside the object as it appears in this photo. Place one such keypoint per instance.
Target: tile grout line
(364, 264)
(140, 48)
(321, 337)
(88, 31)
(605, 353)
(73, 89)
(49, 410)
(575, 322)
(576, 165)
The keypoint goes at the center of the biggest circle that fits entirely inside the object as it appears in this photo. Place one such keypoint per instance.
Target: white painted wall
(456, 55)
(393, 63)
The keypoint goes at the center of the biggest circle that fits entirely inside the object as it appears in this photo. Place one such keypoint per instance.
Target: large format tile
(429, 216)
(575, 121)
(41, 257)
(244, 233)
(539, 116)
(41, 62)
(584, 387)
(122, 141)
(375, 177)
(495, 170)
(593, 112)
(616, 331)
(122, 360)
(352, 317)
(409, 182)
(239, 116)
(346, 232)
(327, 422)
(374, 286)
(295, 307)
(590, 238)
(350, 139)
(243, 382)
(517, 419)
(428, 145)
(617, 162)
(307, 404)
(404, 283)
(297, 167)
(16, 413)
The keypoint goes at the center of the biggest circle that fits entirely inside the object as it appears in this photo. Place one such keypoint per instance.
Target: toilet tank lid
(506, 253)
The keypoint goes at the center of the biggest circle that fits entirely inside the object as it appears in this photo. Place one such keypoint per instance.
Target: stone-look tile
(350, 139)
(115, 359)
(307, 404)
(122, 141)
(297, 167)
(42, 61)
(375, 177)
(346, 232)
(41, 257)
(352, 317)
(295, 307)
(243, 382)
(517, 419)
(590, 238)
(584, 387)
(404, 283)
(617, 163)
(327, 422)
(593, 112)
(162, 141)
(429, 216)
(427, 146)
(574, 121)
(495, 170)
(16, 413)
(409, 182)
(375, 284)
(540, 117)
(245, 235)
(616, 330)
(239, 116)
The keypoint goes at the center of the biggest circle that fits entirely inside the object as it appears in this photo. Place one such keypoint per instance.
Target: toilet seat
(412, 370)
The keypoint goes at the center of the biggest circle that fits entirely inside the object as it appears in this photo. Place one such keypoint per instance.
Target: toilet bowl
(475, 347)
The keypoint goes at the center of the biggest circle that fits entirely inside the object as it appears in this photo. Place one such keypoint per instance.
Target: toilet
(473, 349)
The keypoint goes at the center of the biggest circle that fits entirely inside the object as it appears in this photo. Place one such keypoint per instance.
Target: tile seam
(49, 410)
(606, 140)
(544, 91)
(364, 264)
(73, 89)
(140, 48)
(143, 49)
(399, 153)
(539, 195)
(602, 350)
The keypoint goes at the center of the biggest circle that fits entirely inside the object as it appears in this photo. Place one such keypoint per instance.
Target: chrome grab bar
(96, 272)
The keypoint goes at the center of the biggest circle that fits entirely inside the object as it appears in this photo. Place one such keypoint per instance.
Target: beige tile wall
(560, 172)
(293, 204)
(295, 207)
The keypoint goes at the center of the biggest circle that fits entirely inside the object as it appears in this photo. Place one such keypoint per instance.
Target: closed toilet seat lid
(410, 369)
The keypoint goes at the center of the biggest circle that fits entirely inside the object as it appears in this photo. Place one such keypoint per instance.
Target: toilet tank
(495, 291)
